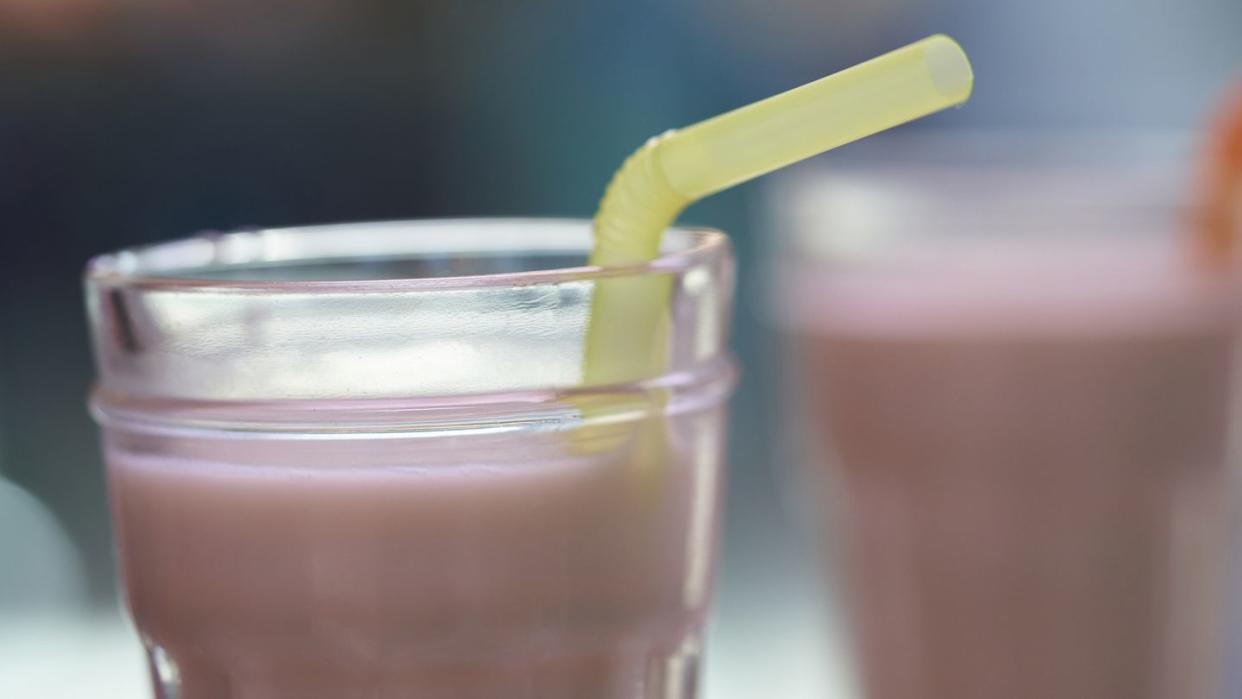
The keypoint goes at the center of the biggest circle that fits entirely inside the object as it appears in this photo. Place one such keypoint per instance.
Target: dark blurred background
(128, 121)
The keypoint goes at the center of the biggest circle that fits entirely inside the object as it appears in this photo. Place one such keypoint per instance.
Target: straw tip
(949, 67)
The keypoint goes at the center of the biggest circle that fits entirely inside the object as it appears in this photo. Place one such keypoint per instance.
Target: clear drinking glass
(1020, 393)
(360, 461)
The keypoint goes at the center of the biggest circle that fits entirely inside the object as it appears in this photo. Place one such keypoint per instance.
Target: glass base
(622, 673)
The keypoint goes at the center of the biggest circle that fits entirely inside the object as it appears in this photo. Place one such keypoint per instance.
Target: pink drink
(360, 462)
(1028, 465)
(397, 568)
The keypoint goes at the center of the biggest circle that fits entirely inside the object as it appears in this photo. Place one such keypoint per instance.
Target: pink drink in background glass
(326, 537)
(1020, 400)
(1028, 457)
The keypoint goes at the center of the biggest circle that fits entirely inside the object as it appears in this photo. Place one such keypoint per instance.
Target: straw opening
(949, 68)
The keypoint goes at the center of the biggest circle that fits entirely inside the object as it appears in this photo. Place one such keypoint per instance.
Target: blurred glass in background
(130, 121)
(1010, 384)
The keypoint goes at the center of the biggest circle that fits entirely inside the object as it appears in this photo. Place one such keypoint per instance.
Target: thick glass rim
(165, 266)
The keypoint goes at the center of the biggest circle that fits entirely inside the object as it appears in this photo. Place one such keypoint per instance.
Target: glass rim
(132, 268)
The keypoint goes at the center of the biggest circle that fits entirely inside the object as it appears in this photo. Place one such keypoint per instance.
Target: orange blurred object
(1220, 209)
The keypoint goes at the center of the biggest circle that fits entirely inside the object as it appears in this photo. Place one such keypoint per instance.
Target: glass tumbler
(360, 461)
(1021, 392)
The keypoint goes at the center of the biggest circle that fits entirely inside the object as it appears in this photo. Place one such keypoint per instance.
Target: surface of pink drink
(513, 565)
(1027, 461)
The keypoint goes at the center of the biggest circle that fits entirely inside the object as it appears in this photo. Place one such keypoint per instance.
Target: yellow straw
(626, 336)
